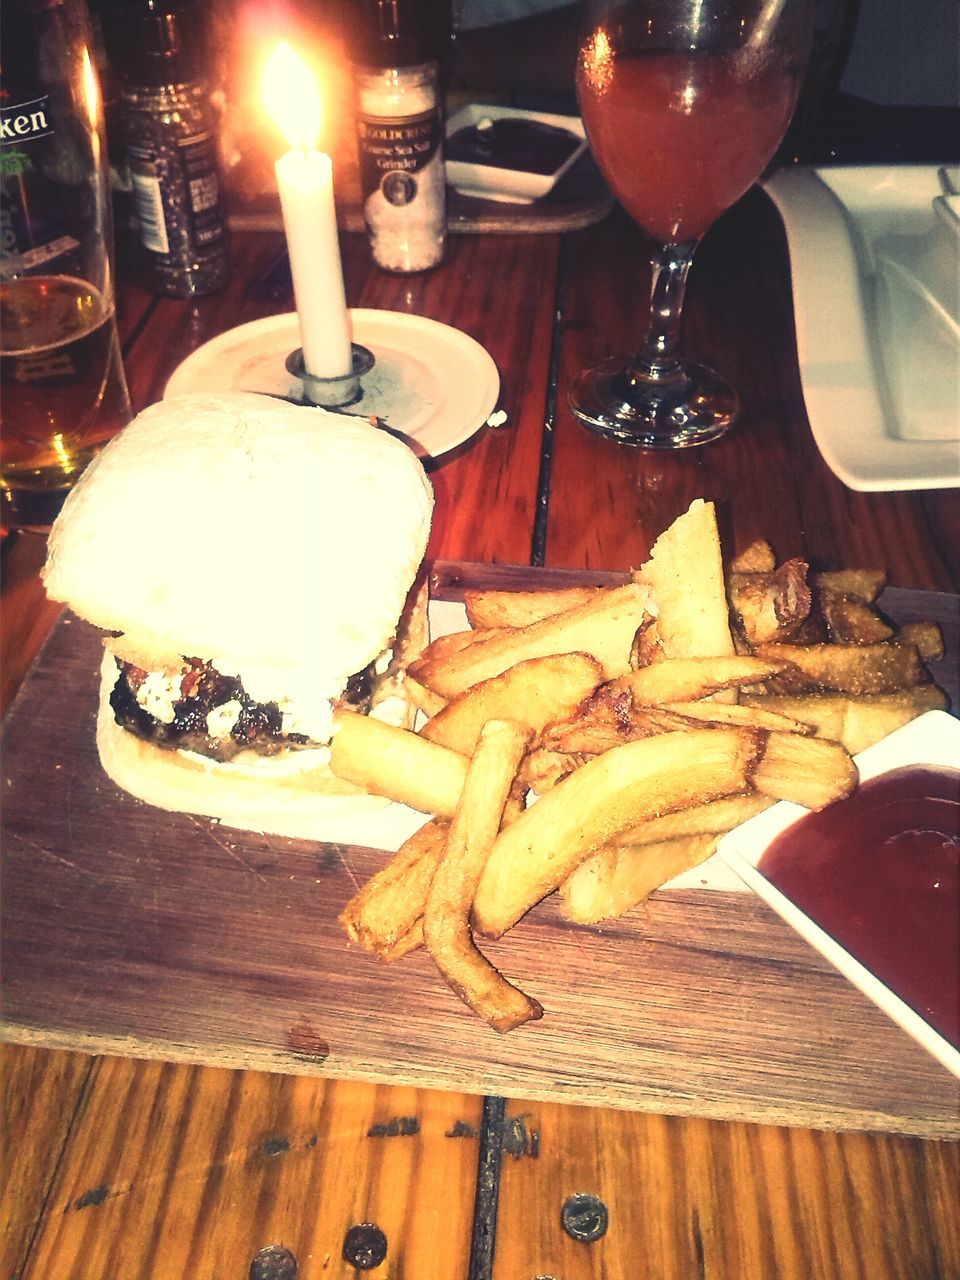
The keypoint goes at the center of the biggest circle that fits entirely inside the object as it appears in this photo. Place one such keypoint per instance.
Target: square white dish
(931, 739)
(875, 265)
(511, 186)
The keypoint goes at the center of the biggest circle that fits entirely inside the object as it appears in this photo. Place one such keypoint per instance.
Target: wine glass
(684, 104)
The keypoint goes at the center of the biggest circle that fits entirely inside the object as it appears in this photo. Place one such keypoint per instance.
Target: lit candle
(305, 182)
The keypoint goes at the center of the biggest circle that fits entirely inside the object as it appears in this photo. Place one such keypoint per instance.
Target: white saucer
(431, 383)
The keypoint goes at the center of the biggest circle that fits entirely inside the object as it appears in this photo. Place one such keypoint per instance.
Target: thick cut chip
(604, 628)
(519, 608)
(771, 606)
(813, 772)
(685, 571)
(700, 820)
(856, 722)
(533, 693)
(865, 584)
(757, 558)
(845, 668)
(382, 916)
(610, 883)
(687, 679)
(618, 789)
(446, 921)
(851, 620)
(398, 764)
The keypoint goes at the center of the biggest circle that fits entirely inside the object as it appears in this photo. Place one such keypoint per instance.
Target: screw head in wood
(364, 1246)
(584, 1217)
(274, 1262)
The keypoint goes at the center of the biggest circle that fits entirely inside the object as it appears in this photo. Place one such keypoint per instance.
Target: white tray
(875, 260)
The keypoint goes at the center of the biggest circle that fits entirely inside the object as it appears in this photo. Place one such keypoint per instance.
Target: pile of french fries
(597, 742)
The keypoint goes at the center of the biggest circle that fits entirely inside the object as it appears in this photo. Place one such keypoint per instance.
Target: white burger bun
(277, 542)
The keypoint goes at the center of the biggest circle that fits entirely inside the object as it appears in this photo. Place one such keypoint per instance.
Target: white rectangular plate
(933, 739)
(875, 263)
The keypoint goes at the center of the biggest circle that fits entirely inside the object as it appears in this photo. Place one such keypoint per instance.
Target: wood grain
(190, 1171)
(698, 1198)
(41, 1095)
(608, 502)
(133, 931)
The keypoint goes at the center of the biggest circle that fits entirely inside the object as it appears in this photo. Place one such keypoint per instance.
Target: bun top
(280, 539)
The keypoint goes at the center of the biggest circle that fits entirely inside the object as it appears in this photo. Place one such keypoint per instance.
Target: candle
(305, 183)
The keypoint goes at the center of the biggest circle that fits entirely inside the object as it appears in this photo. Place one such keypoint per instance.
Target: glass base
(615, 400)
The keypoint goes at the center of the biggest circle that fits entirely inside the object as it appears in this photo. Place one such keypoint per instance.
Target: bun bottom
(290, 794)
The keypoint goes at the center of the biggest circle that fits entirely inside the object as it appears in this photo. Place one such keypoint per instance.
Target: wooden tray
(130, 930)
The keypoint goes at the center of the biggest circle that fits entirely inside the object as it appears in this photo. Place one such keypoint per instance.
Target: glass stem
(658, 359)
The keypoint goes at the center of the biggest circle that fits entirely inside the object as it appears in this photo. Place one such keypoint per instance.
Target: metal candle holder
(332, 393)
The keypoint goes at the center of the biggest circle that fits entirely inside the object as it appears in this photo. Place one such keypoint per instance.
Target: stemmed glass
(684, 104)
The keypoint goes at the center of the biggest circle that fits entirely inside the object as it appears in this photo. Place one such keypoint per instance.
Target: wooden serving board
(130, 930)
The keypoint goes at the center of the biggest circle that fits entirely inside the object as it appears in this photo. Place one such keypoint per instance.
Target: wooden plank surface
(178, 1171)
(42, 1093)
(130, 930)
(694, 1198)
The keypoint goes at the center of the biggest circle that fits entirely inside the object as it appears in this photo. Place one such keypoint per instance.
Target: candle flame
(291, 96)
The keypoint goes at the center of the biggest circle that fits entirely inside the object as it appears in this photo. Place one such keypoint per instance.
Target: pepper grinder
(158, 48)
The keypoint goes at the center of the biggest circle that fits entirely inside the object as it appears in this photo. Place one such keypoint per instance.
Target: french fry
(442, 648)
(731, 713)
(771, 606)
(382, 916)
(926, 637)
(609, 883)
(618, 789)
(543, 769)
(430, 703)
(757, 558)
(603, 628)
(699, 820)
(446, 924)
(396, 763)
(855, 722)
(685, 571)
(851, 620)
(533, 692)
(865, 584)
(406, 943)
(844, 668)
(813, 772)
(687, 679)
(519, 608)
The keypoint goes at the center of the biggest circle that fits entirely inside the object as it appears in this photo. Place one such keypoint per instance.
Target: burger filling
(208, 711)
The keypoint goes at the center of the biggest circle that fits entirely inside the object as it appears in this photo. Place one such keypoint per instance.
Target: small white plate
(875, 263)
(932, 739)
(431, 383)
(510, 186)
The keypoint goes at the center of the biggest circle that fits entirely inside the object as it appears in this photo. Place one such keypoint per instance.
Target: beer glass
(63, 393)
(684, 104)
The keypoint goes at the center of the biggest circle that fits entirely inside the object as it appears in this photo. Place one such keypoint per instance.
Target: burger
(254, 565)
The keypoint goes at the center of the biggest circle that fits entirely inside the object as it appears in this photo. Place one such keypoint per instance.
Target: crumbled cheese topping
(158, 693)
(220, 720)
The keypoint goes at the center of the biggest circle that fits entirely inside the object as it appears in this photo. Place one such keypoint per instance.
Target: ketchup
(879, 873)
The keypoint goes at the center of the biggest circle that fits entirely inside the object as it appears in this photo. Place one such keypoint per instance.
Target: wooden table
(127, 1168)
